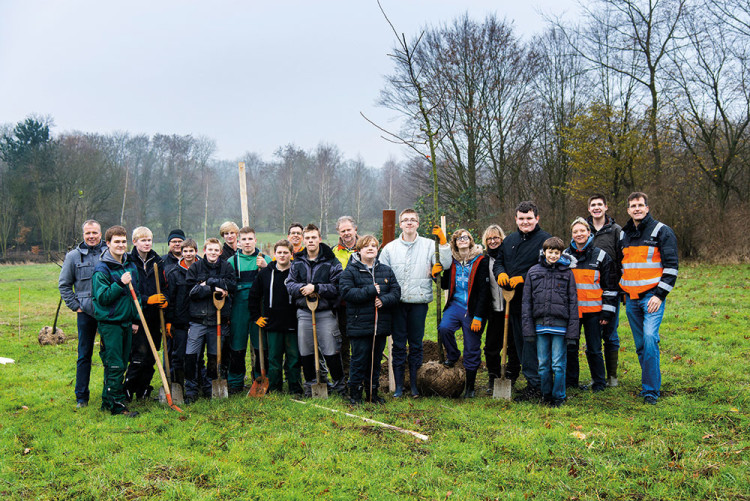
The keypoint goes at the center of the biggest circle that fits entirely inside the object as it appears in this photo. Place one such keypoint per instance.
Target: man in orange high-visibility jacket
(648, 252)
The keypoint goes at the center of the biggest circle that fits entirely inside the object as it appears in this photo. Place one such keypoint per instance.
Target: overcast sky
(252, 75)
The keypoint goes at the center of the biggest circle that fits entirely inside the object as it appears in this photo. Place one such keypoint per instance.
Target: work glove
(157, 299)
(169, 330)
(262, 321)
(438, 232)
(476, 324)
(515, 281)
(503, 279)
(436, 269)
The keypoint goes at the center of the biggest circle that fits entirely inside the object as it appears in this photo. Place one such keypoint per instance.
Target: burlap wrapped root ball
(47, 337)
(434, 378)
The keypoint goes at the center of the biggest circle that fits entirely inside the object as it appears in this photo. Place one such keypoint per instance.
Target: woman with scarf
(467, 282)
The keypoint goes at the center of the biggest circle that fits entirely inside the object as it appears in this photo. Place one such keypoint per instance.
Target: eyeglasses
(410, 220)
(463, 237)
(494, 239)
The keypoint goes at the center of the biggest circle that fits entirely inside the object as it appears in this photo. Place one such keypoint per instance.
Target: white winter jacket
(412, 262)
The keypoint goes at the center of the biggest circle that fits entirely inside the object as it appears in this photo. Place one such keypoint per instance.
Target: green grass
(693, 445)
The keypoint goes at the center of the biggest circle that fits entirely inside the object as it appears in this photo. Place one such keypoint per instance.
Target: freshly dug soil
(46, 336)
(433, 378)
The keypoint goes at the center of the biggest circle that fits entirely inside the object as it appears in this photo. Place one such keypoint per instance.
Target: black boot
(413, 380)
(471, 379)
(355, 395)
(398, 375)
(336, 369)
(490, 385)
(610, 361)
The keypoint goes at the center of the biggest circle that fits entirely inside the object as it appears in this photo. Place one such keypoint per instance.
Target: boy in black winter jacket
(550, 315)
(204, 278)
(271, 307)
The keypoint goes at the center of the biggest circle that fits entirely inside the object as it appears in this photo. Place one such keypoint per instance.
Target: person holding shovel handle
(117, 317)
(467, 282)
(371, 291)
(315, 272)
(204, 278)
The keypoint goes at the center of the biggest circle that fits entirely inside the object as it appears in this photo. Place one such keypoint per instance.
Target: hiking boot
(557, 403)
(355, 395)
(649, 400)
(612, 382)
(81, 405)
(450, 363)
(490, 385)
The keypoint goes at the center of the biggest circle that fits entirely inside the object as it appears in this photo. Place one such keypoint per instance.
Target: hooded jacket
(215, 275)
(270, 298)
(549, 299)
(75, 277)
(357, 287)
(323, 272)
(478, 286)
(518, 253)
(112, 301)
(412, 262)
(608, 237)
(147, 281)
(178, 295)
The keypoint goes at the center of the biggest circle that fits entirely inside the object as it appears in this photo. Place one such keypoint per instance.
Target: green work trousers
(280, 344)
(241, 328)
(114, 351)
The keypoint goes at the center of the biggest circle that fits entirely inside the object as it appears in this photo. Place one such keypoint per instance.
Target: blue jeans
(645, 328)
(552, 358)
(454, 318)
(408, 325)
(86, 335)
(609, 332)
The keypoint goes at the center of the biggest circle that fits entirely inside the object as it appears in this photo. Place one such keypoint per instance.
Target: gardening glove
(438, 232)
(476, 324)
(502, 279)
(436, 269)
(515, 281)
(169, 330)
(261, 322)
(157, 299)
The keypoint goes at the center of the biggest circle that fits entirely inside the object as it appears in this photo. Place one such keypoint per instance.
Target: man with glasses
(411, 258)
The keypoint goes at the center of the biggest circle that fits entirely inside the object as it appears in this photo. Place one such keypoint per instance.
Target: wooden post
(389, 234)
(19, 313)
(243, 195)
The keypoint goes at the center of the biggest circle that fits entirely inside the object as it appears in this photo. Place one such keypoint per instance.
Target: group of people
(354, 295)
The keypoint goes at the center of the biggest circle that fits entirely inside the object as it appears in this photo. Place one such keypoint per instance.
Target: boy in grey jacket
(412, 259)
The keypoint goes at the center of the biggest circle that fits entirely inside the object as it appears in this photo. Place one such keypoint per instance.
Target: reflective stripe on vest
(641, 268)
(589, 291)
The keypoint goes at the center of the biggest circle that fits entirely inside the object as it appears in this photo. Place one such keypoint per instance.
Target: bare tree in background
(326, 161)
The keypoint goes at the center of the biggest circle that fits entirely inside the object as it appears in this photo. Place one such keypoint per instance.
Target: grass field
(695, 444)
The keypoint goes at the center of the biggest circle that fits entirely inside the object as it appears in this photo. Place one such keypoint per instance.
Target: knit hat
(176, 234)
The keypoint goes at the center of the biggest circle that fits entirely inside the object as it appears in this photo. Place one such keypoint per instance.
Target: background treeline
(634, 95)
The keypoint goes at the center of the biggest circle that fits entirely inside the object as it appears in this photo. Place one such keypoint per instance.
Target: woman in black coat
(371, 291)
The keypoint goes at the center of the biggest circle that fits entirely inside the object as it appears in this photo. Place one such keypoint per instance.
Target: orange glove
(169, 331)
(476, 325)
(157, 299)
(261, 322)
(515, 281)
(503, 279)
(164, 305)
(438, 232)
(436, 269)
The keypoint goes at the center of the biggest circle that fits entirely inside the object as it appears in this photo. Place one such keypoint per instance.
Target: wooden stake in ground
(19, 312)
(243, 195)
(389, 234)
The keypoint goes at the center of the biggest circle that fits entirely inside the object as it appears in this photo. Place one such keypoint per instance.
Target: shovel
(176, 388)
(503, 386)
(319, 390)
(260, 385)
(153, 349)
(218, 386)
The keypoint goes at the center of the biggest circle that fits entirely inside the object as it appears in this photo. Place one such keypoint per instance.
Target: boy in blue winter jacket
(550, 314)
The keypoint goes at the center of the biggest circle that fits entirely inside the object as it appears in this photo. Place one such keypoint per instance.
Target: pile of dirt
(46, 336)
(432, 378)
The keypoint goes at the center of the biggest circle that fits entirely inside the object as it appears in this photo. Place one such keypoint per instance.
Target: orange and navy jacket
(596, 279)
(648, 254)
